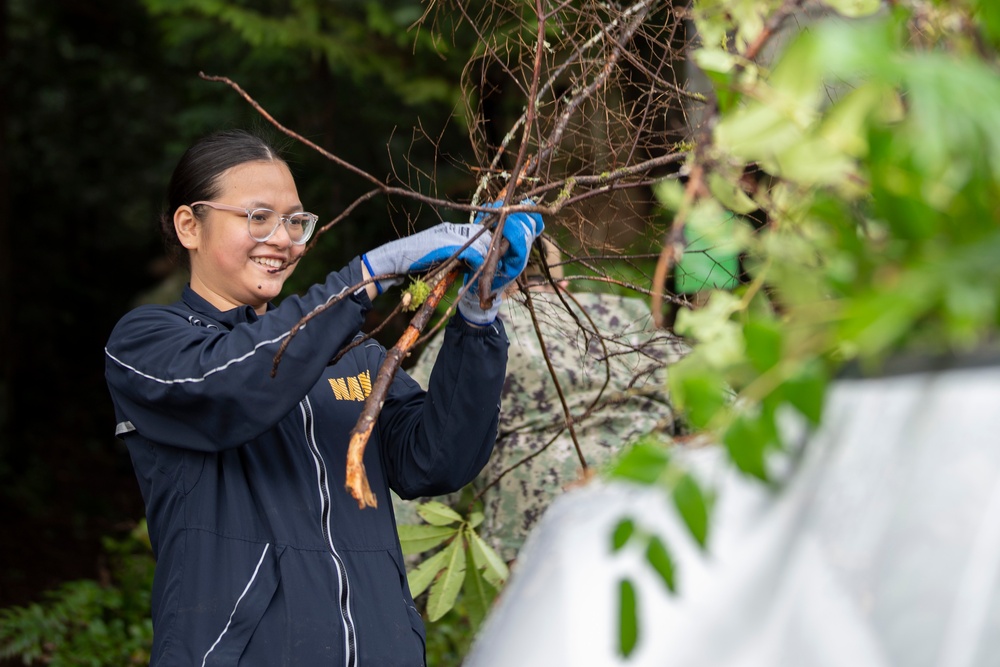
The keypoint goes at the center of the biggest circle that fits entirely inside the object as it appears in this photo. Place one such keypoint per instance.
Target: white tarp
(882, 549)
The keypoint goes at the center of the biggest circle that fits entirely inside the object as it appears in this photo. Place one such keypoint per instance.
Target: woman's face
(228, 268)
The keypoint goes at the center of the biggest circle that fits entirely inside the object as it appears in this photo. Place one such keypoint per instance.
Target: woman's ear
(188, 227)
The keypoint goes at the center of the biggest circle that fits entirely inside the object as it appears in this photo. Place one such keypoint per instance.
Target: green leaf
(438, 514)
(714, 60)
(643, 462)
(487, 559)
(730, 193)
(421, 576)
(988, 12)
(621, 534)
(812, 161)
(757, 133)
(691, 503)
(717, 65)
(416, 539)
(877, 320)
(764, 342)
(719, 338)
(807, 390)
(670, 194)
(628, 618)
(658, 556)
(478, 591)
(699, 392)
(746, 441)
(445, 588)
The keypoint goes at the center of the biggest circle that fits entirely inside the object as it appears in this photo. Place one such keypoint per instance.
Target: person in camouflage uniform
(614, 385)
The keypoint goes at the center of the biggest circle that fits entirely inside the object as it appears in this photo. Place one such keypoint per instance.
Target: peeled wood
(357, 480)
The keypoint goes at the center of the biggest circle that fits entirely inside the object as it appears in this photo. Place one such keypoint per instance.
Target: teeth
(269, 262)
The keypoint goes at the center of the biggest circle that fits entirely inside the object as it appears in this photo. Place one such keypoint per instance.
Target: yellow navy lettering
(352, 388)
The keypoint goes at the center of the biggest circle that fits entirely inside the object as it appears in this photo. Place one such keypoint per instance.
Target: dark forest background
(97, 100)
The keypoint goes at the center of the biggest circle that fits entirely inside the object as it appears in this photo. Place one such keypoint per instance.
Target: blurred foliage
(86, 622)
(883, 208)
(875, 142)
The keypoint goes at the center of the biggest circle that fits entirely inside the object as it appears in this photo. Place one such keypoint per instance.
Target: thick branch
(357, 481)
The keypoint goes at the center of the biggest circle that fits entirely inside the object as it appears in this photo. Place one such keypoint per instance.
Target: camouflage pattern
(614, 393)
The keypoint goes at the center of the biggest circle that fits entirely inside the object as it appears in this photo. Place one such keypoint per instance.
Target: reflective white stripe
(322, 486)
(124, 427)
(242, 595)
(194, 379)
(223, 366)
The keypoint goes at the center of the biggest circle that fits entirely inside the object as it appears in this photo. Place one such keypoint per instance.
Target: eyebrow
(259, 204)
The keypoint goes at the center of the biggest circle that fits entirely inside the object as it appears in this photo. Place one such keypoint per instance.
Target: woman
(263, 558)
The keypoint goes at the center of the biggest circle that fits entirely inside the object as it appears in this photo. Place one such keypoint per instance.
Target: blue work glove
(419, 252)
(520, 230)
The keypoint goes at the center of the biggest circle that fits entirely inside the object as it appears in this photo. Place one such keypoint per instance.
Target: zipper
(325, 510)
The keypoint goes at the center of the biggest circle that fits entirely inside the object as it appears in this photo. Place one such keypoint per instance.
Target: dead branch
(357, 481)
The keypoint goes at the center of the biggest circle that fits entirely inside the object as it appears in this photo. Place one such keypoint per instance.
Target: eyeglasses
(262, 223)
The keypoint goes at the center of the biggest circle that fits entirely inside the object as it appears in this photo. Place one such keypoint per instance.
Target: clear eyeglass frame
(262, 223)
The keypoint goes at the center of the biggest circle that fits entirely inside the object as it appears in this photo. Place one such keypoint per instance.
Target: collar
(229, 318)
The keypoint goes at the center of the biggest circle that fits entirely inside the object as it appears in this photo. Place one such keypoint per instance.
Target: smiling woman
(261, 556)
(228, 259)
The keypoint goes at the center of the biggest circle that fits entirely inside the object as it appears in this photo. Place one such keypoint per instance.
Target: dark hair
(196, 176)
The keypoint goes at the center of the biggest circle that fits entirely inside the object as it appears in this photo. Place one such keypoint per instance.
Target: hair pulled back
(196, 176)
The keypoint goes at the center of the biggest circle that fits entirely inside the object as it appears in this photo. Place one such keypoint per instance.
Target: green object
(709, 262)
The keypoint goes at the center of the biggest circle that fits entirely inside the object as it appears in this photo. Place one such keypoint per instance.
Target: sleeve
(437, 442)
(209, 388)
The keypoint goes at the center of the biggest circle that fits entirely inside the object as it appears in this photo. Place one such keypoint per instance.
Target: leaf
(693, 507)
(719, 339)
(763, 343)
(421, 576)
(746, 441)
(806, 391)
(812, 161)
(730, 194)
(877, 320)
(714, 60)
(415, 539)
(757, 133)
(717, 65)
(670, 194)
(438, 514)
(643, 462)
(486, 558)
(445, 588)
(628, 618)
(478, 591)
(621, 534)
(699, 392)
(989, 16)
(659, 558)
